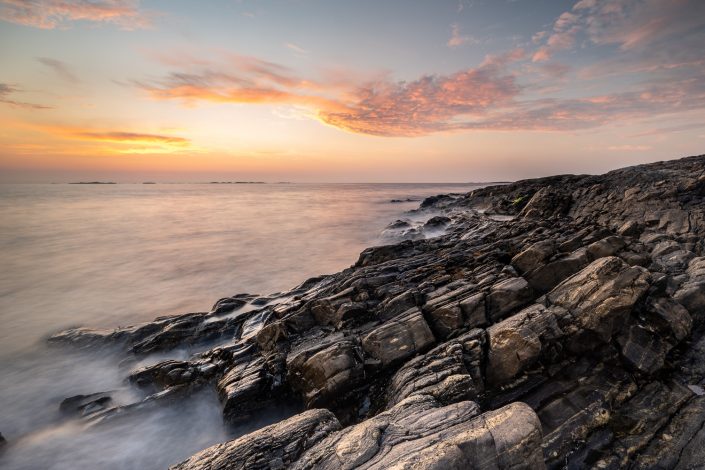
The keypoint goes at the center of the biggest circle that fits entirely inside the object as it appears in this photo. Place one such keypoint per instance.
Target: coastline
(551, 329)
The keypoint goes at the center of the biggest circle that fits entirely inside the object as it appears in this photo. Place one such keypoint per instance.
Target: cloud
(504, 92)
(50, 14)
(119, 141)
(627, 24)
(295, 48)
(629, 148)
(378, 107)
(128, 137)
(59, 68)
(457, 38)
(7, 90)
(429, 104)
(562, 37)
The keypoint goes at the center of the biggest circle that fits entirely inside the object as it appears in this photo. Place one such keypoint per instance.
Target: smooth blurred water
(110, 255)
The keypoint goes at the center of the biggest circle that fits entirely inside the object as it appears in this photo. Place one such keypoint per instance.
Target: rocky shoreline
(554, 322)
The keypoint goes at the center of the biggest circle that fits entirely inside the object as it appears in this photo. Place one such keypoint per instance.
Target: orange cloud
(491, 96)
(49, 14)
(380, 107)
(129, 137)
(91, 141)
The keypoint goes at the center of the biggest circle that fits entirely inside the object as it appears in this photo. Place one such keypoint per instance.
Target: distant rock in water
(396, 201)
(557, 322)
(94, 182)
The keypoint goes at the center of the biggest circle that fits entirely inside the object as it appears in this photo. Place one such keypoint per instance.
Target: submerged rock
(85, 404)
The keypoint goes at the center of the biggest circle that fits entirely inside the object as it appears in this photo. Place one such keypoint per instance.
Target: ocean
(114, 255)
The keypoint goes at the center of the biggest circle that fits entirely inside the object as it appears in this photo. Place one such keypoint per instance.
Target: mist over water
(111, 255)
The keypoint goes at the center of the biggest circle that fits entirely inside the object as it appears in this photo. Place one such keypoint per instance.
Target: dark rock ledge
(556, 322)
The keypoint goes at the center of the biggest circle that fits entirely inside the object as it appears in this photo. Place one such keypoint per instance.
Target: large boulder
(399, 338)
(273, 447)
(599, 298)
(416, 433)
(534, 256)
(545, 277)
(507, 296)
(246, 387)
(516, 343)
(449, 372)
(547, 203)
(324, 373)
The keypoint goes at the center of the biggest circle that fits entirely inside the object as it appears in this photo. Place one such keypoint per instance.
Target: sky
(346, 91)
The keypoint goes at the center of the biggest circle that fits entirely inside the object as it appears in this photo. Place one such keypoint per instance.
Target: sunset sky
(326, 90)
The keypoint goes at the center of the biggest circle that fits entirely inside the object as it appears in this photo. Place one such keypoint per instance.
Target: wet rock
(272, 447)
(82, 405)
(247, 386)
(437, 222)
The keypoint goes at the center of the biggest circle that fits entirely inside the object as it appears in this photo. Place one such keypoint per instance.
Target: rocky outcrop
(416, 433)
(272, 447)
(555, 321)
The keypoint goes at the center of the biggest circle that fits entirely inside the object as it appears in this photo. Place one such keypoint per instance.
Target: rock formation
(554, 322)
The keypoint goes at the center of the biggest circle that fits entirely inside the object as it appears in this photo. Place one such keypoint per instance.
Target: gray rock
(450, 372)
(416, 433)
(535, 255)
(600, 297)
(606, 247)
(324, 373)
(507, 296)
(547, 276)
(399, 338)
(282, 442)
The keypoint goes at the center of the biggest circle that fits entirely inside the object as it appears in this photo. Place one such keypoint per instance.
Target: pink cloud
(457, 38)
(625, 23)
(50, 14)
(495, 95)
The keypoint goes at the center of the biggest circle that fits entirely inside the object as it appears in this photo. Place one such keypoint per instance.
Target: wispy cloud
(457, 38)
(629, 148)
(6, 93)
(505, 92)
(120, 141)
(62, 69)
(381, 107)
(295, 48)
(128, 137)
(50, 14)
(625, 23)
